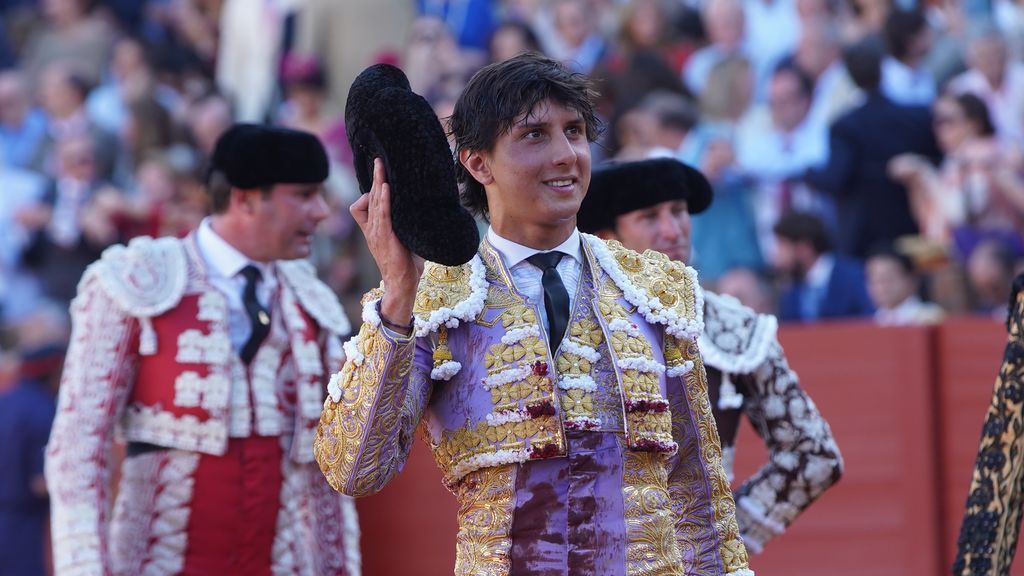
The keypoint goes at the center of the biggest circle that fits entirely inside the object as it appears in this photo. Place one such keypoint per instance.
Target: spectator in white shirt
(997, 80)
(894, 287)
(905, 78)
(779, 143)
(819, 55)
(772, 30)
(725, 25)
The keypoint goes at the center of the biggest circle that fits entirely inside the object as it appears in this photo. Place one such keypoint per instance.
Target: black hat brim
(619, 188)
(386, 120)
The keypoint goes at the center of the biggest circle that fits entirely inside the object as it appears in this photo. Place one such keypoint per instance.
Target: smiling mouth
(562, 183)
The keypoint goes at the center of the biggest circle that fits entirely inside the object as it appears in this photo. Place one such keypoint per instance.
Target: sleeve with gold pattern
(365, 433)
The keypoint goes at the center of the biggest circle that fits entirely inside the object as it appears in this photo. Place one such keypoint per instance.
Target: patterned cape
(991, 525)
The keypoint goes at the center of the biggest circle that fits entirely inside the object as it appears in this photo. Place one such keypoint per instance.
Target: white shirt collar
(221, 257)
(821, 271)
(514, 253)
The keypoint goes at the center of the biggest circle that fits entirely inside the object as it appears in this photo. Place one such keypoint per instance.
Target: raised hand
(399, 268)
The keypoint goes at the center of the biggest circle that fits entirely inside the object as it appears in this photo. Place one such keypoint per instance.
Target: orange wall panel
(873, 387)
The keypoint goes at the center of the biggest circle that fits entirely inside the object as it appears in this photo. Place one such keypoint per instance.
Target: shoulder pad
(736, 340)
(448, 295)
(664, 291)
(145, 278)
(314, 296)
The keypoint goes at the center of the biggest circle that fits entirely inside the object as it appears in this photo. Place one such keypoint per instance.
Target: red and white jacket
(151, 361)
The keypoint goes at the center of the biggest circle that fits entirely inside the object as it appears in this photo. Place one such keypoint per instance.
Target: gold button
(264, 319)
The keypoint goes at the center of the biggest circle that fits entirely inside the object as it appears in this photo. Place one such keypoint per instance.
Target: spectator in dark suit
(823, 284)
(872, 207)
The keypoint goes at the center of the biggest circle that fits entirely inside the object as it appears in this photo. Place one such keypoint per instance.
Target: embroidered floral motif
(663, 291)
(193, 391)
(486, 505)
(194, 347)
(212, 307)
(990, 528)
(150, 520)
(444, 298)
(155, 426)
(735, 338)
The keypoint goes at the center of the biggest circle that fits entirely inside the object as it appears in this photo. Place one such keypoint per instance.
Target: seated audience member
(22, 126)
(894, 287)
(750, 288)
(70, 225)
(995, 77)
(977, 192)
(906, 78)
(822, 283)
(510, 39)
(990, 271)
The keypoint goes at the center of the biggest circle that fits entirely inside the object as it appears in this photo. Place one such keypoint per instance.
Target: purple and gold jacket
(601, 459)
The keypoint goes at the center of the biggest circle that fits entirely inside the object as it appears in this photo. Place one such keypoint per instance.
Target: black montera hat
(255, 155)
(620, 188)
(385, 119)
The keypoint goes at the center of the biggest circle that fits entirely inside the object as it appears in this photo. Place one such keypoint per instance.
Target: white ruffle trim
(352, 352)
(370, 314)
(641, 364)
(623, 325)
(334, 387)
(506, 376)
(499, 458)
(651, 308)
(585, 352)
(507, 416)
(464, 311)
(446, 370)
(584, 422)
(679, 369)
(518, 334)
(741, 572)
(729, 314)
(584, 382)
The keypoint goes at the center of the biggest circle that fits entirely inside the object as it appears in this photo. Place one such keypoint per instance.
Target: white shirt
(905, 85)
(911, 312)
(821, 272)
(224, 264)
(1005, 104)
(527, 277)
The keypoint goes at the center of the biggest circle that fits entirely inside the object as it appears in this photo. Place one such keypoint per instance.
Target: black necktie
(556, 299)
(259, 317)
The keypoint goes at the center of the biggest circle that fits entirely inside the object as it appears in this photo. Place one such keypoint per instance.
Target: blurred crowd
(866, 155)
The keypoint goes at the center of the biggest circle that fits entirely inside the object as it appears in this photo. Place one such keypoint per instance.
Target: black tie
(259, 317)
(556, 299)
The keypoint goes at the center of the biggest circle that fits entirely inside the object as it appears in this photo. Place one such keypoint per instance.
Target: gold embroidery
(659, 277)
(486, 502)
(533, 434)
(723, 508)
(441, 287)
(651, 547)
(340, 447)
(648, 421)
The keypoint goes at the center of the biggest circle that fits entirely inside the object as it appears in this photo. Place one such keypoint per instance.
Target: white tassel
(147, 337)
(728, 398)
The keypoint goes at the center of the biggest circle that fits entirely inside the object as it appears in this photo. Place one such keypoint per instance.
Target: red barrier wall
(906, 406)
